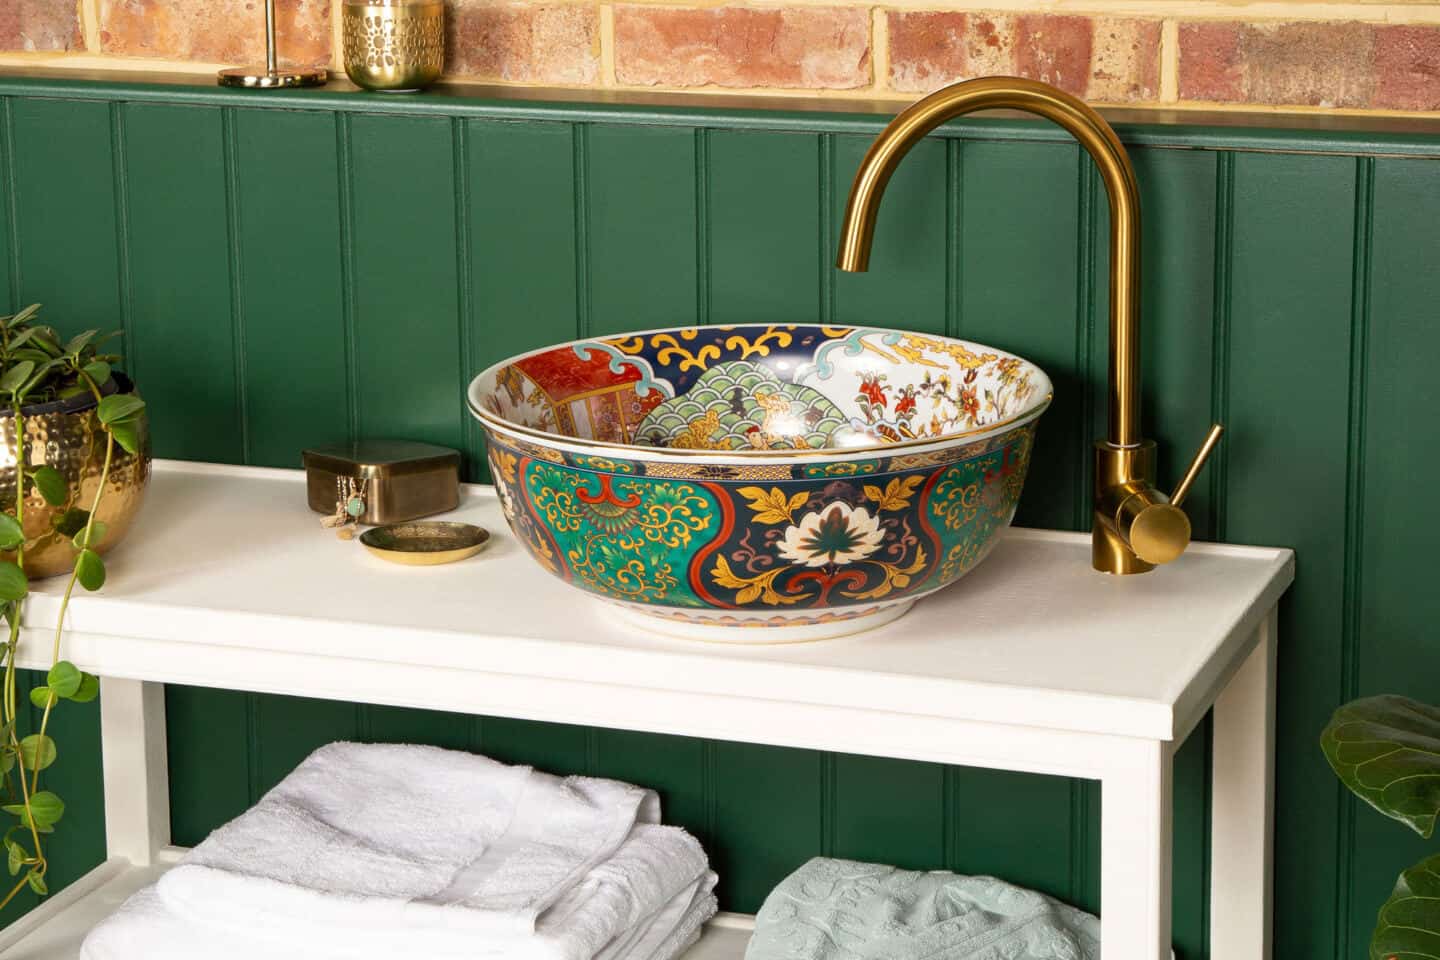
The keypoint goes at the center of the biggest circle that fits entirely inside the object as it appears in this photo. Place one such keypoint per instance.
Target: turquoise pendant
(355, 506)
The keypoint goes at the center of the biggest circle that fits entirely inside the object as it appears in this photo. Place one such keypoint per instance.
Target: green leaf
(37, 883)
(7, 760)
(89, 688)
(97, 533)
(24, 315)
(90, 569)
(1408, 927)
(75, 344)
(1386, 749)
(46, 808)
(64, 678)
(51, 484)
(11, 536)
(16, 857)
(15, 376)
(38, 751)
(126, 435)
(13, 585)
(97, 370)
(119, 407)
(72, 521)
(40, 696)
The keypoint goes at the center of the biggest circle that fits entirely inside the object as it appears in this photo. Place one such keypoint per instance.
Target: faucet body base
(1124, 489)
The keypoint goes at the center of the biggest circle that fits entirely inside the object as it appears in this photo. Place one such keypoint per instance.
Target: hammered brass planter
(66, 435)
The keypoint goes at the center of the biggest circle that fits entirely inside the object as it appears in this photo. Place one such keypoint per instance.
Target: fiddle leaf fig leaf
(1386, 749)
(126, 435)
(51, 484)
(64, 678)
(37, 751)
(88, 690)
(90, 570)
(119, 407)
(14, 378)
(1408, 927)
(11, 535)
(13, 585)
(40, 696)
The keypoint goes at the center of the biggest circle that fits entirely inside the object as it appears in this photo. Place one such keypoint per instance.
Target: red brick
(1303, 64)
(39, 25)
(216, 31)
(1210, 62)
(1407, 68)
(1101, 58)
(806, 47)
(523, 42)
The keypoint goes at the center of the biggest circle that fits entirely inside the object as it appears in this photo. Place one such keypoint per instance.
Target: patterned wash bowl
(799, 481)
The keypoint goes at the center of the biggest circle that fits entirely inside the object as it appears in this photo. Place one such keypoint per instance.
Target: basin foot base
(769, 627)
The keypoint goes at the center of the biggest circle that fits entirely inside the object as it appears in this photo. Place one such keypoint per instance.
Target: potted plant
(74, 461)
(1386, 749)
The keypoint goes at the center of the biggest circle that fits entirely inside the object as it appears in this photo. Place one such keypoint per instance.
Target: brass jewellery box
(397, 479)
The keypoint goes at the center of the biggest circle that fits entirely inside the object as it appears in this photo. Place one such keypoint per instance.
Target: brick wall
(1260, 54)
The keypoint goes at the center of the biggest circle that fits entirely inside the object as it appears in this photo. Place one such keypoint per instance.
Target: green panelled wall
(290, 270)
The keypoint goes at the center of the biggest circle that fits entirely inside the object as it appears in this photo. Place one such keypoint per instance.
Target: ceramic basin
(760, 483)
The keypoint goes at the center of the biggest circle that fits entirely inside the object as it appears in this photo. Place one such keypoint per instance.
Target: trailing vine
(37, 367)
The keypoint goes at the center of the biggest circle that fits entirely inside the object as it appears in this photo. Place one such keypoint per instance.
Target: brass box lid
(380, 458)
(402, 479)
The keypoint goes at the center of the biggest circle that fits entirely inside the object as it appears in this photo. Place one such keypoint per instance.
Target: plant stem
(14, 641)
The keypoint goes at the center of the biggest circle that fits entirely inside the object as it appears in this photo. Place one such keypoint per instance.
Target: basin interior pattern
(760, 476)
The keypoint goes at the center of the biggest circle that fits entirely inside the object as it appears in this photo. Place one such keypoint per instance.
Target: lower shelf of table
(55, 930)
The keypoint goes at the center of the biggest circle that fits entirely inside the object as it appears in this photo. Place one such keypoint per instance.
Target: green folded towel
(842, 910)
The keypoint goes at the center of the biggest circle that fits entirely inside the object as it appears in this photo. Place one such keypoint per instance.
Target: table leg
(1135, 849)
(137, 780)
(1243, 807)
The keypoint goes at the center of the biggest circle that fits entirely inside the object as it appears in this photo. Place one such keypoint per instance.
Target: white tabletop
(228, 580)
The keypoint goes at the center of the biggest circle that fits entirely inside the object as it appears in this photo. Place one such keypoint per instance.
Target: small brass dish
(425, 543)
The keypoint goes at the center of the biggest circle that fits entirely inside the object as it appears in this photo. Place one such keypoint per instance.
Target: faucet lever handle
(1182, 489)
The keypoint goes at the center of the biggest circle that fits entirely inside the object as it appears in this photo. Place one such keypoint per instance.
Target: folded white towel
(367, 836)
(416, 851)
(610, 915)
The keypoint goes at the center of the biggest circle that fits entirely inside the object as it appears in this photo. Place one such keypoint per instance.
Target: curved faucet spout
(1097, 137)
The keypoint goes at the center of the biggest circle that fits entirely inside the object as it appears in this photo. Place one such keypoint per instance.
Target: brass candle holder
(394, 46)
(271, 75)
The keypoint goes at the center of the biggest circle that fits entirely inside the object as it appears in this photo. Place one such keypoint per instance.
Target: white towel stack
(370, 850)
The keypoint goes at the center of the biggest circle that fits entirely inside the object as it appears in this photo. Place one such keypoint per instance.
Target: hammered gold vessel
(394, 46)
(66, 435)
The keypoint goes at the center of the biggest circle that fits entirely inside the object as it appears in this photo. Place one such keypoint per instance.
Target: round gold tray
(425, 542)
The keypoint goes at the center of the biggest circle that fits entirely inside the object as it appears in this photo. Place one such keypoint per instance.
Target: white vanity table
(1034, 663)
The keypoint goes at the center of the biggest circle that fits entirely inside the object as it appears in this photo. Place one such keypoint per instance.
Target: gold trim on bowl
(638, 452)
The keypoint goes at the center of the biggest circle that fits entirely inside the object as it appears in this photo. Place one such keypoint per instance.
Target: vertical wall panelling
(754, 788)
(9, 249)
(640, 185)
(1288, 377)
(905, 286)
(1397, 607)
(64, 210)
(1289, 294)
(522, 277)
(764, 227)
(210, 779)
(180, 274)
(285, 218)
(406, 306)
(1019, 204)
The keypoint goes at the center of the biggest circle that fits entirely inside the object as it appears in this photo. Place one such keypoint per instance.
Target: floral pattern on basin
(804, 480)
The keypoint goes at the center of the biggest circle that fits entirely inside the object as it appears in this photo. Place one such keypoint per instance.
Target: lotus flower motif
(836, 535)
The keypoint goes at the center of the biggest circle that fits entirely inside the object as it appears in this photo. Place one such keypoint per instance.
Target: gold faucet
(1135, 525)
